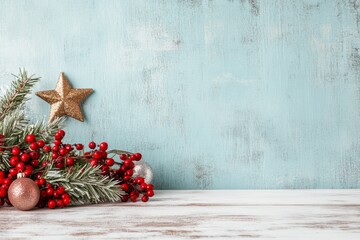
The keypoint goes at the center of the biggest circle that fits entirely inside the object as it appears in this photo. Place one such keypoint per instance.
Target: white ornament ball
(143, 169)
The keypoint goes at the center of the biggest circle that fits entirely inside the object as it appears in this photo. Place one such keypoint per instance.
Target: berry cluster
(52, 196)
(61, 153)
(99, 157)
(21, 160)
(27, 158)
(133, 187)
(4, 186)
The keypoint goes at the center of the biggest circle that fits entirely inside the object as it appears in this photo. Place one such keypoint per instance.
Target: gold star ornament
(65, 100)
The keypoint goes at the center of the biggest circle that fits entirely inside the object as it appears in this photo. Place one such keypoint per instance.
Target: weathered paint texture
(215, 94)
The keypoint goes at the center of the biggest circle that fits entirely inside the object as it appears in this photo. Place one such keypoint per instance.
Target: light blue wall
(215, 94)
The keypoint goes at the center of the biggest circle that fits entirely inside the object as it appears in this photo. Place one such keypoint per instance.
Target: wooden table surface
(216, 214)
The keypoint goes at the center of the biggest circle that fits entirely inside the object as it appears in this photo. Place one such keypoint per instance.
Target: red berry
(93, 162)
(97, 155)
(79, 146)
(105, 169)
(103, 146)
(51, 204)
(33, 146)
(126, 178)
(13, 172)
(129, 172)
(70, 161)
(34, 155)
(143, 186)
(123, 156)
(49, 185)
(59, 165)
(56, 195)
(127, 162)
(57, 142)
(27, 172)
(103, 154)
(65, 195)
(123, 168)
(7, 181)
(131, 166)
(150, 193)
(2, 192)
(58, 137)
(15, 151)
(41, 143)
(42, 181)
(60, 190)
(43, 193)
(2, 175)
(25, 157)
(30, 138)
(137, 156)
(35, 163)
(29, 167)
(92, 145)
(140, 180)
(61, 133)
(55, 148)
(55, 155)
(47, 148)
(14, 160)
(68, 147)
(20, 166)
(125, 187)
(63, 151)
(133, 198)
(50, 192)
(150, 187)
(66, 201)
(145, 198)
(110, 162)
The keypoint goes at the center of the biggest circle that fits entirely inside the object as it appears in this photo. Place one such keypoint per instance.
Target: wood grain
(211, 214)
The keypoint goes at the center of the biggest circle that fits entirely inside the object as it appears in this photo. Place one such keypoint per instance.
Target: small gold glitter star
(65, 100)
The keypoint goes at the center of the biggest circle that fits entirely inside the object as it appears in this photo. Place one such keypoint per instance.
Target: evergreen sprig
(41, 129)
(85, 184)
(13, 123)
(16, 95)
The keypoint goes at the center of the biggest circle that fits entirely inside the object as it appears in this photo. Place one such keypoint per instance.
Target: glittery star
(65, 100)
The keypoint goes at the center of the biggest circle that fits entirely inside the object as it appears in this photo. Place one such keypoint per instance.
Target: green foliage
(13, 122)
(85, 184)
(14, 97)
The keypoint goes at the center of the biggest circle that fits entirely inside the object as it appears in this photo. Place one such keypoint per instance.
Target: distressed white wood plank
(217, 214)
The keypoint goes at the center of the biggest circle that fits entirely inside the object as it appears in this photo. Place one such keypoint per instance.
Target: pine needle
(16, 95)
(85, 184)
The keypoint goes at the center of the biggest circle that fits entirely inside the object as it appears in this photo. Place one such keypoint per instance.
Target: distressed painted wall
(216, 94)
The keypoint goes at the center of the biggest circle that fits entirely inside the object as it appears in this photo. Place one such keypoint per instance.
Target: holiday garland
(64, 173)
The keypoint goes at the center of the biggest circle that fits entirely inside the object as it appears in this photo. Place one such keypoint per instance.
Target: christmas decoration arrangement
(39, 169)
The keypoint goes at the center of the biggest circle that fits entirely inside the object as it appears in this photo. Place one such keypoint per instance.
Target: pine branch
(85, 184)
(16, 95)
(41, 129)
(13, 125)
